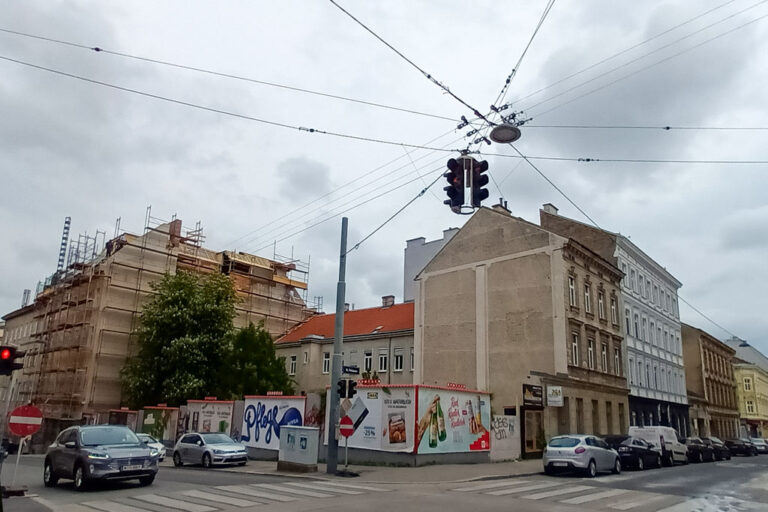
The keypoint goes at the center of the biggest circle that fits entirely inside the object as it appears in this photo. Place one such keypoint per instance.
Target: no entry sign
(346, 427)
(25, 420)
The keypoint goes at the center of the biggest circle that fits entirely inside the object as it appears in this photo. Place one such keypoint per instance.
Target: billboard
(210, 416)
(160, 423)
(452, 421)
(263, 417)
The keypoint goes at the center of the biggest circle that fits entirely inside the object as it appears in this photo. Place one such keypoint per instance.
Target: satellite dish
(505, 133)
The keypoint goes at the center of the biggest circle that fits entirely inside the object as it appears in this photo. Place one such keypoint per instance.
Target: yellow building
(752, 394)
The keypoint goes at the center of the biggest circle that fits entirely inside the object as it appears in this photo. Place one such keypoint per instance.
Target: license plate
(132, 467)
(560, 464)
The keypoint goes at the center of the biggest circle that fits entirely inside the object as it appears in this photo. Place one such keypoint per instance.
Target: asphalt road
(739, 485)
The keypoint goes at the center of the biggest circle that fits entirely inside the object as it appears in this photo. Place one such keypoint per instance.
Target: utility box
(298, 449)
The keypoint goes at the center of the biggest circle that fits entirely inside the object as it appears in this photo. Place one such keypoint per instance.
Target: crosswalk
(222, 497)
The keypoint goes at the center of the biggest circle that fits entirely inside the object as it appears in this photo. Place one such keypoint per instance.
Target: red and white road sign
(346, 427)
(25, 420)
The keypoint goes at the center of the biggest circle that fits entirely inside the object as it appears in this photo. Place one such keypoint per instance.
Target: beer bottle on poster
(471, 414)
(442, 435)
(433, 434)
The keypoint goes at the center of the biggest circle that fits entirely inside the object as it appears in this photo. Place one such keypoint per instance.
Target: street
(740, 484)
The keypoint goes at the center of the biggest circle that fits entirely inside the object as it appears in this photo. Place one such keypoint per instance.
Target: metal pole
(346, 454)
(332, 457)
(18, 454)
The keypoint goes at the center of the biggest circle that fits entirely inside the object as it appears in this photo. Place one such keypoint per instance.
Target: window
(601, 305)
(669, 302)
(614, 319)
(575, 349)
(628, 321)
(572, 290)
(398, 359)
(750, 407)
(617, 361)
(655, 297)
(306, 357)
(367, 361)
(412, 360)
(663, 300)
(747, 384)
(591, 354)
(641, 280)
(292, 368)
(658, 335)
(587, 298)
(666, 340)
(663, 381)
(647, 293)
(647, 375)
(604, 357)
(645, 329)
(632, 281)
(326, 362)
(631, 371)
(640, 373)
(652, 334)
(637, 326)
(383, 360)
(624, 269)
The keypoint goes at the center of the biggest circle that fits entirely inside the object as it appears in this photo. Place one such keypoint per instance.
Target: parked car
(583, 453)
(634, 452)
(152, 443)
(698, 451)
(741, 447)
(89, 453)
(665, 438)
(760, 444)
(718, 447)
(208, 448)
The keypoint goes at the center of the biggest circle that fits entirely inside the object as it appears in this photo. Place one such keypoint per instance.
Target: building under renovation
(78, 331)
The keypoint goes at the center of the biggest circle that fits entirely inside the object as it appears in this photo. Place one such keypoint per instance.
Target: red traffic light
(5, 353)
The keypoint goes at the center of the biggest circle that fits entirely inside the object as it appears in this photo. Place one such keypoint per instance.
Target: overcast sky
(72, 148)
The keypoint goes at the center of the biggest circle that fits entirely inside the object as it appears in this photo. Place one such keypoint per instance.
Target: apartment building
(752, 397)
(417, 254)
(378, 340)
(649, 308)
(530, 316)
(711, 385)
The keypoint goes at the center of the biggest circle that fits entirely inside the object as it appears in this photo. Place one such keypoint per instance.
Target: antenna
(64, 240)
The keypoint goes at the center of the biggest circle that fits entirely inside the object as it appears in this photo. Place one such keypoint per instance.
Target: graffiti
(502, 428)
(258, 417)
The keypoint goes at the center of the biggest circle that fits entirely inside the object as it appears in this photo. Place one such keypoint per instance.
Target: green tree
(254, 368)
(183, 340)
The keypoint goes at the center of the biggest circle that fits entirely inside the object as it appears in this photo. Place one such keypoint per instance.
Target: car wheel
(177, 459)
(617, 466)
(49, 475)
(592, 469)
(81, 483)
(146, 480)
(206, 460)
(658, 461)
(728, 457)
(640, 463)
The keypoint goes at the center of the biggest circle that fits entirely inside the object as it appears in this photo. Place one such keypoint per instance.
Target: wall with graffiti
(160, 423)
(505, 438)
(264, 415)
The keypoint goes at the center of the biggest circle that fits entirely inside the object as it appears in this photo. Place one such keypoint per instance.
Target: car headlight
(153, 452)
(219, 452)
(98, 456)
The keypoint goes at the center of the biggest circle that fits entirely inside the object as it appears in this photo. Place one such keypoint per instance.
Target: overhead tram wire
(631, 160)
(221, 111)
(225, 75)
(641, 127)
(705, 316)
(409, 61)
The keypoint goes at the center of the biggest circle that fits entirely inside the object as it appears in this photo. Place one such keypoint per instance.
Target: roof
(748, 353)
(357, 322)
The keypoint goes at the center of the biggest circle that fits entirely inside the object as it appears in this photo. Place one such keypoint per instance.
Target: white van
(664, 439)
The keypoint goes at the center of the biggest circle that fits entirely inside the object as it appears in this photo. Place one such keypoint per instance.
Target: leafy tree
(254, 368)
(184, 340)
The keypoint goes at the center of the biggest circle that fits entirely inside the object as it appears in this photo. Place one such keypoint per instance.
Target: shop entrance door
(533, 427)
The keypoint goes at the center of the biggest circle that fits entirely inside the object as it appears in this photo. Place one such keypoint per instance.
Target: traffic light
(479, 180)
(8, 356)
(342, 385)
(455, 190)
(351, 391)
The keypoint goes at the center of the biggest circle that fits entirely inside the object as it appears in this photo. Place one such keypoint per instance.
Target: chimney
(550, 208)
(501, 207)
(387, 301)
(346, 307)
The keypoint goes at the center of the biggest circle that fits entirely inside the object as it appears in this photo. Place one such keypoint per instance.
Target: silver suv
(578, 452)
(208, 448)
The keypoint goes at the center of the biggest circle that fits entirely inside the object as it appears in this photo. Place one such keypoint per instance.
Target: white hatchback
(578, 452)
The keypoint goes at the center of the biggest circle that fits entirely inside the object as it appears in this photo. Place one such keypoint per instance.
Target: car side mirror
(70, 444)
(650, 445)
(199, 443)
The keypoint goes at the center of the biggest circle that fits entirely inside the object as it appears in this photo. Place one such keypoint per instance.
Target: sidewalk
(437, 473)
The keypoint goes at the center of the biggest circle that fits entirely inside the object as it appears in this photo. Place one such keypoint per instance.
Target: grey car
(208, 448)
(578, 452)
(92, 453)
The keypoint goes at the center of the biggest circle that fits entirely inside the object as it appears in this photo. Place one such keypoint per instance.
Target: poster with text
(263, 417)
(160, 423)
(210, 416)
(453, 421)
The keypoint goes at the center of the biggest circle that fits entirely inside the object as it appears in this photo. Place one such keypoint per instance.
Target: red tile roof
(357, 322)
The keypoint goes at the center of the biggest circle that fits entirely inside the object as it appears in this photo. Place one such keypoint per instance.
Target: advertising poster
(383, 418)
(210, 415)
(453, 421)
(160, 422)
(263, 417)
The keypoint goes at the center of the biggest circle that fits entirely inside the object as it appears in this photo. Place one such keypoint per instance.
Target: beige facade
(752, 397)
(711, 386)
(506, 303)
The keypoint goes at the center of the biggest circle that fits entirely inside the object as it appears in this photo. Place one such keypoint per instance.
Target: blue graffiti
(258, 417)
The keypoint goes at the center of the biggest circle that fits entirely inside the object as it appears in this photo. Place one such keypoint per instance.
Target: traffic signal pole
(332, 457)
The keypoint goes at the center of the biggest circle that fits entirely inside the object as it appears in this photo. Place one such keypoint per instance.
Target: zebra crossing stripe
(354, 486)
(300, 492)
(633, 504)
(594, 497)
(172, 503)
(219, 498)
(322, 487)
(498, 483)
(250, 491)
(111, 506)
(532, 487)
(558, 492)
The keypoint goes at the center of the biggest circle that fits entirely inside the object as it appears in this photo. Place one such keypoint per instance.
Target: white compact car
(152, 443)
(664, 439)
(208, 448)
(579, 452)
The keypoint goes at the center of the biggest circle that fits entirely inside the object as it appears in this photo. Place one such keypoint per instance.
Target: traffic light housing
(479, 180)
(455, 188)
(351, 391)
(8, 356)
(342, 385)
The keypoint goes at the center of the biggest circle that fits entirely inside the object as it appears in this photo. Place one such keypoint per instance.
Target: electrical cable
(225, 75)
(409, 61)
(705, 316)
(640, 127)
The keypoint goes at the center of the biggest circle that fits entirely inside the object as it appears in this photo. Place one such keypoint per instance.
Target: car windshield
(107, 435)
(758, 440)
(617, 440)
(146, 438)
(217, 439)
(715, 440)
(563, 442)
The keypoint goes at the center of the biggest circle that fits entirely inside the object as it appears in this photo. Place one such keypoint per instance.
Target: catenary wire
(226, 75)
(640, 127)
(705, 316)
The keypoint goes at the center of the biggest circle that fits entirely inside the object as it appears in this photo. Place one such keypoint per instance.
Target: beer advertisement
(452, 421)
(210, 415)
(265, 415)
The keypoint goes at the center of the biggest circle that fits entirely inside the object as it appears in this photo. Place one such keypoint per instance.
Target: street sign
(25, 420)
(351, 370)
(346, 427)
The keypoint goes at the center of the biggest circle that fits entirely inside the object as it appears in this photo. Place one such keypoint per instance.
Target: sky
(257, 183)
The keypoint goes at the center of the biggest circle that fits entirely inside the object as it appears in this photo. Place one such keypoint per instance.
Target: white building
(418, 253)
